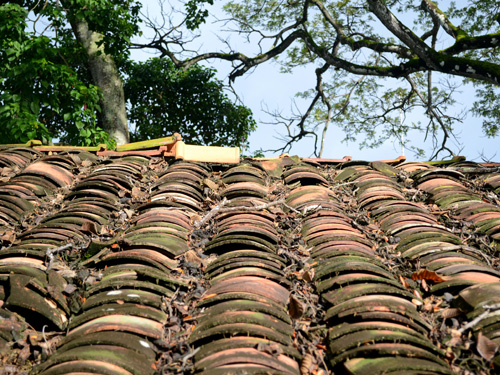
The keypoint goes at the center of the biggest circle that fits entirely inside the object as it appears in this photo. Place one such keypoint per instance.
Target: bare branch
(220, 208)
(344, 49)
(433, 115)
(39, 14)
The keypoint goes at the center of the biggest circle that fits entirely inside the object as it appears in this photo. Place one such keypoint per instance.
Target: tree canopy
(164, 100)
(425, 50)
(62, 65)
(374, 61)
(38, 90)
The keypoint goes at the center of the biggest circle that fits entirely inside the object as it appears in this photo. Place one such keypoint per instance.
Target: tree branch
(433, 115)
(380, 10)
(246, 62)
(365, 43)
(473, 43)
(432, 59)
(438, 16)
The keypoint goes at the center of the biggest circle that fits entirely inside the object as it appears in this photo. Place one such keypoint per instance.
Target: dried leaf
(295, 308)
(24, 354)
(86, 163)
(89, 227)
(8, 237)
(427, 275)
(308, 276)
(75, 158)
(194, 218)
(404, 282)
(105, 230)
(486, 347)
(192, 257)
(129, 213)
(451, 312)
(303, 250)
(181, 307)
(91, 280)
(51, 345)
(212, 185)
(417, 302)
(69, 288)
(456, 338)
(8, 172)
(138, 194)
(417, 294)
(425, 286)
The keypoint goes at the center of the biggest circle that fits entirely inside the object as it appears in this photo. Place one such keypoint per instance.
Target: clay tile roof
(150, 259)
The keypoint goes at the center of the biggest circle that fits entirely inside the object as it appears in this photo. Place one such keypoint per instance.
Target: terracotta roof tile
(131, 262)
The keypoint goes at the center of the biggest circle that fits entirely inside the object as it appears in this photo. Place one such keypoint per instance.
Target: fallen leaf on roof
(295, 308)
(427, 275)
(86, 163)
(271, 348)
(70, 288)
(90, 227)
(212, 185)
(192, 257)
(451, 312)
(8, 237)
(486, 347)
(138, 194)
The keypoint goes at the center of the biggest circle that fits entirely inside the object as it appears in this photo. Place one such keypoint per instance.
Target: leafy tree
(164, 99)
(66, 80)
(37, 87)
(355, 47)
(72, 62)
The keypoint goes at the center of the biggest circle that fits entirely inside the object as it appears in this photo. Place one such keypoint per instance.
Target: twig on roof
(188, 356)
(333, 187)
(219, 208)
(51, 252)
(489, 309)
(467, 249)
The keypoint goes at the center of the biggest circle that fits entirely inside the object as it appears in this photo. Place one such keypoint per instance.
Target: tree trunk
(105, 76)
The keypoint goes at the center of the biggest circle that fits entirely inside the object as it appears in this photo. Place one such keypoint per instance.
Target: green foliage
(116, 20)
(36, 86)
(41, 96)
(164, 99)
(196, 13)
(46, 89)
(487, 107)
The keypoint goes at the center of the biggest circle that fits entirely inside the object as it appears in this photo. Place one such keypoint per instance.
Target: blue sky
(267, 87)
